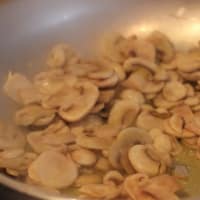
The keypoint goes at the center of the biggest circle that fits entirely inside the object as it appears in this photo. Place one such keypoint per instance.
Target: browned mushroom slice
(93, 142)
(34, 115)
(88, 95)
(188, 62)
(123, 113)
(174, 91)
(163, 187)
(127, 138)
(148, 121)
(53, 169)
(133, 95)
(163, 45)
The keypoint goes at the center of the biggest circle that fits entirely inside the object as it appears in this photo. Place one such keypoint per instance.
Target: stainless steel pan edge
(29, 28)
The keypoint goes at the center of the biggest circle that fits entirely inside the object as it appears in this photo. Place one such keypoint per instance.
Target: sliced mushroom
(109, 47)
(14, 84)
(87, 179)
(174, 91)
(106, 95)
(134, 184)
(133, 95)
(49, 82)
(88, 95)
(103, 164)
(142, 162)
(160, 102)
(135, 47)
(60, 55)
(34, 115)
(93, 142)
(100, 191)
(117, 67)
(163, 187)
(148, 121)
(53, 169)
(127, 138)
(55, 137)
(123, 113)
(84, 157)
(11, 137)
(131, 63)
(80, 69)
(164, 47)
(16, 161)
(105, 78)
(113, 177)
(140, 80)
(188, 62)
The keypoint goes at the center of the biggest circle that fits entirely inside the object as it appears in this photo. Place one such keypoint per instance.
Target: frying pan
(29, 28)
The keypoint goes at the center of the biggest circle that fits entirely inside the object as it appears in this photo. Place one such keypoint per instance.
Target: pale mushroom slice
(49, 82)
(117, 67)
(81, 69)
(148, 121)
(164, 47)
(16, 161)
(63, 99)
(60, 55)
(142, 162)
(123, 113)
(53, 169)
(34, 115)
(55, 137)
(105, 78)
(131, 63)
(20, 89)
(11, 137)
(140, 80)
(174, 91)
(127, 138)
(138, 47)
(108, 47)
(88, 95)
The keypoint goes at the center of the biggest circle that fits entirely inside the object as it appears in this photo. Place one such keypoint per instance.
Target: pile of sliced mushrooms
(110, 126)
